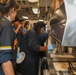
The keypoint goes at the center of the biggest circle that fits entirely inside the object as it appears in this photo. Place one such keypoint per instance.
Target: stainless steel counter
(59, 64)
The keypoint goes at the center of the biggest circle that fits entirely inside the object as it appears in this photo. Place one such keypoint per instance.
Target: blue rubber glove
(18, 54)
(51, 47)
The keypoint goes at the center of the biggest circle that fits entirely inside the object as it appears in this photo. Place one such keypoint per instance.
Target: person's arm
(24, 31)
(43, 48)
(33, 44)
(16, 31)
(15, 44)
(6, 45)
(8, 68)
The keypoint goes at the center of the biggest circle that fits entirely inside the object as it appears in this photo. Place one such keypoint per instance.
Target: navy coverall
(41, 39)
(7, 37)
(31, 48)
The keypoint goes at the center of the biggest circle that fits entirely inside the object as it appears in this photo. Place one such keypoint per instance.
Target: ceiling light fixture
(33, 0)
(41, 20)
(35, 10)
(25, 17)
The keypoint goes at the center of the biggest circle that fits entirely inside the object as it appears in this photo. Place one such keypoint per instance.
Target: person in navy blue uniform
(31, 48)
(18, 30)
(18, 25)
(7, 35)
(41, 38)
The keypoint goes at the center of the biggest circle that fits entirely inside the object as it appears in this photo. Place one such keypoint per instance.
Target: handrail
(56, 39)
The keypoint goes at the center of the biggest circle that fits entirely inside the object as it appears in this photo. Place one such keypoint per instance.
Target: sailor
(7, 36)
(31, 48)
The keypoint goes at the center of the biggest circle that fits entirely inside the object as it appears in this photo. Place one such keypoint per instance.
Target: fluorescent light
(25, 17)
(33, 0)
(41, 20)
(35, 10)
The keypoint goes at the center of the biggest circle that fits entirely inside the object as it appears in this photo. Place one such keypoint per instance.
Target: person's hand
(15, 44)
(51, 47)
(19, 26)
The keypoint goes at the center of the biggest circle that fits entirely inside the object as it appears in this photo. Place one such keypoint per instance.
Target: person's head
(16, 22)
(40, 27)
(22, 22)
(34, 24)
(8, 8)
(27, 23)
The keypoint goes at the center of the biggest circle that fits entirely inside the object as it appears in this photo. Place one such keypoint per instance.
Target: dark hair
(6, 5)
(26, 23)
(34, 24)
(21, 20)
(16, 19)
(39, 25)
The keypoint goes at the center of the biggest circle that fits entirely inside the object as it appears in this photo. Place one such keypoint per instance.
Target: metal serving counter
(59, 64)
(63, 57)
(63, 64)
